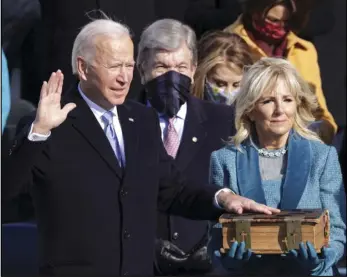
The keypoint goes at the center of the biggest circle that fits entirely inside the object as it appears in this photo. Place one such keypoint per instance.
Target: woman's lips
(278, 121)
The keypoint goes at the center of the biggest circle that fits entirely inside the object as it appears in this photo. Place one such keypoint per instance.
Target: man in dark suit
(190, 129)
(97, 167)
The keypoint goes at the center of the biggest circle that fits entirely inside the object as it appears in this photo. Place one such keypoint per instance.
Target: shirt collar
(96, 109)
(182, 113)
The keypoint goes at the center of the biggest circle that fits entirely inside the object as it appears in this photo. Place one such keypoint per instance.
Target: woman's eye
(220, 84)
(273, 20)
(236, 84)
(267, 101)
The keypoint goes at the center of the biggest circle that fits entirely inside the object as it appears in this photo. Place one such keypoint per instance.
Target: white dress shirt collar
(182, 113)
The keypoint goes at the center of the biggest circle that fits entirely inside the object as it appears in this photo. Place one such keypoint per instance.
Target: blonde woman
(276, 160)
(221, 59)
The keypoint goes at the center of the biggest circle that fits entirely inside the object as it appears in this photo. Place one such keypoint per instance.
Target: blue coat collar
(296, 175)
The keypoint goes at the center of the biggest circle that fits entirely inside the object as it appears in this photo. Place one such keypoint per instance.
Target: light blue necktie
(107, 118)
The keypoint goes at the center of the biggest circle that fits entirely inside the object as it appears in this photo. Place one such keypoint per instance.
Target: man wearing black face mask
(168, 92)
(191, 130)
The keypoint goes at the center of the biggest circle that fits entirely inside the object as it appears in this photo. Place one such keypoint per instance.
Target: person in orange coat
(268, 28)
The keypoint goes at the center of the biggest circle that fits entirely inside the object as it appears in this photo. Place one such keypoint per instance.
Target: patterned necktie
(172, 142)
(107, 118)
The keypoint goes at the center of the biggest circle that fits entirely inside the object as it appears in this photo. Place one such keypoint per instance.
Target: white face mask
(219, 95)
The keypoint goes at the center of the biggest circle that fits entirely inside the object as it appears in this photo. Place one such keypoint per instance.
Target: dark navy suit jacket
(93, 217)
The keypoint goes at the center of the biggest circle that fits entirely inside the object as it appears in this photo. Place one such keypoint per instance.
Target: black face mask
(168, 92)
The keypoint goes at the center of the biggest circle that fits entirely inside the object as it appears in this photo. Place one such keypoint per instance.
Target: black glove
(169, 258)
(199, 261)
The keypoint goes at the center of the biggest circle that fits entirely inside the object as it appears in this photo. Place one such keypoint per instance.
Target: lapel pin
(131, 119)
(194, 139)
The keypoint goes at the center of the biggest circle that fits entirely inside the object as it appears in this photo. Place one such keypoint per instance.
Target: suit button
(123, 192)
(175, 236)
(126, 234)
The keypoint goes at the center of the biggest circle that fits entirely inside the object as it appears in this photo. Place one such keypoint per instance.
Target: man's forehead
(114, 48)
(182, 52)
(117, 43)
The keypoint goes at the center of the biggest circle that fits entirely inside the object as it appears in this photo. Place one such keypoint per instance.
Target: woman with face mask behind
(221, 58)
(268, 28)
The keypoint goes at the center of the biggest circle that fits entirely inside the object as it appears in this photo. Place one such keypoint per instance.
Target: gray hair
(168, 35)
(84, 42)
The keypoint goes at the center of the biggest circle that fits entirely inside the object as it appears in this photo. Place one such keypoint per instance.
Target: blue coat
(312, 180)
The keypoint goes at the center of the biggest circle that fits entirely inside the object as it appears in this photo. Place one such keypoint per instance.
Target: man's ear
(82, 68)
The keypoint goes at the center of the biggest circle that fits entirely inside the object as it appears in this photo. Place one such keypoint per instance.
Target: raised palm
(49, 113)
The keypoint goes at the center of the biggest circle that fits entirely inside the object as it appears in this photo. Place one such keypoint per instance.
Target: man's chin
(118, 101)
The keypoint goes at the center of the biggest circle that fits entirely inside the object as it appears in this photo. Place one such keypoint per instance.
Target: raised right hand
(49, 113)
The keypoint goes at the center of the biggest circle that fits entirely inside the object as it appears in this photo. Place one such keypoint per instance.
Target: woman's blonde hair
(219, 48)
(264, 76)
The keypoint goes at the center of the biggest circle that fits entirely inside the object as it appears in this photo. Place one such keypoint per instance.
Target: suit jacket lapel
(298, 170)
(84, 121)
(193, 134)
(130, 135)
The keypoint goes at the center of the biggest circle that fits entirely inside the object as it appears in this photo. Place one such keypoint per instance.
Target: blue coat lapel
(298, 170)
(296, 176)
(248, 174)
